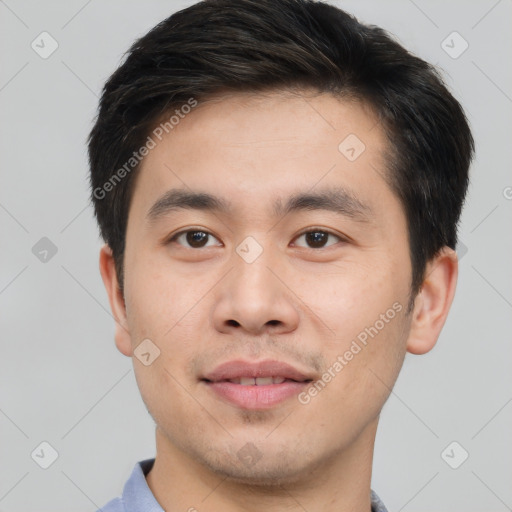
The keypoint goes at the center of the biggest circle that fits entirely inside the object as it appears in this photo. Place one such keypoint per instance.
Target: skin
(297, 302)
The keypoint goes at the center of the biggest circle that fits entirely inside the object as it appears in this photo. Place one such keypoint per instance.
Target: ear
(116, 299)
(432, 304)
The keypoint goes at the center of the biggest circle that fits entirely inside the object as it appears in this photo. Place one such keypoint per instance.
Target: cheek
(168, 395)
(159, 298)
(365, 307)
(350, 295)
(166, 310)
(361, 373)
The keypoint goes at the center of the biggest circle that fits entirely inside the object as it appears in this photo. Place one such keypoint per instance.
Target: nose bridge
(251, 277)
(254, 251)
(252, 297)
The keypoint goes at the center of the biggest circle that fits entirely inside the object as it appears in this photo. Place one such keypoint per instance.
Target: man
(279, 188)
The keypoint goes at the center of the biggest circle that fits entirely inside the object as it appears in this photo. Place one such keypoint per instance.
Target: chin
(262, 469)
(269, 475)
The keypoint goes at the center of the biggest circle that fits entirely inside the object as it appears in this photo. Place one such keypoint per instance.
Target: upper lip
(268, 368)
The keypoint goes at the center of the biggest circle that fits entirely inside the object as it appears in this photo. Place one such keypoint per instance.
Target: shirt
(137, 496)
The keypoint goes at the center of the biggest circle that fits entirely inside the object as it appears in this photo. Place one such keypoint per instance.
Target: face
(297, 267)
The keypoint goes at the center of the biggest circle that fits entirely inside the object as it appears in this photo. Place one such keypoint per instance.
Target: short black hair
(265, 45)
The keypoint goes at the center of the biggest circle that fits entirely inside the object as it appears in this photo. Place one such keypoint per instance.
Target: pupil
(195, 238)
(316, 238)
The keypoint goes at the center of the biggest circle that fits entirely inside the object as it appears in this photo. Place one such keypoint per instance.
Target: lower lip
(256, 397)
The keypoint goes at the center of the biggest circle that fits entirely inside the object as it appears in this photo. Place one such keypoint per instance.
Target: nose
(255, 298)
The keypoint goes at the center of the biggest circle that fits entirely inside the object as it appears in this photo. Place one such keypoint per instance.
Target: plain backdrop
(63, 382)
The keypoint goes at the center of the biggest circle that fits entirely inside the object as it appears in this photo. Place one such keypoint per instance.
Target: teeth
(263, 381)
(258, 381)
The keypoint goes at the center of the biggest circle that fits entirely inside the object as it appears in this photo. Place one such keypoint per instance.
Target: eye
(317, 238)
(195, 238)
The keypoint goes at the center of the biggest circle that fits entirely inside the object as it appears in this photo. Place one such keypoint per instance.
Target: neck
(338, 483)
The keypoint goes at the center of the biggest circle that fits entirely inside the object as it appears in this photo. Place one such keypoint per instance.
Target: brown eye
(317, 239)
(194, 239)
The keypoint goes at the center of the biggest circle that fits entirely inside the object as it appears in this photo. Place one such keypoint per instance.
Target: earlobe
(116, 299)
(433, 302)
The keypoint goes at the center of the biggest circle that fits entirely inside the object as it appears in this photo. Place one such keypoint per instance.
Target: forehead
(275, 119)
(250, 149)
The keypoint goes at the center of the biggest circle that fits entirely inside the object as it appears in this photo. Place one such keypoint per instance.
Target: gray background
(62, 380)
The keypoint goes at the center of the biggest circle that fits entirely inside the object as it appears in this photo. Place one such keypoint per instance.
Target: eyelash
(174, 237)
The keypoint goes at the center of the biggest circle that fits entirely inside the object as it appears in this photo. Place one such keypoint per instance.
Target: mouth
(258, 381)
(256, 386)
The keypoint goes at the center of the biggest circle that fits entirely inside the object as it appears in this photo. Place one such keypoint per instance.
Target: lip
(268, 368)
(256, 397)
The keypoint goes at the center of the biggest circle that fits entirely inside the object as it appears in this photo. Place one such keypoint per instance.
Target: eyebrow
(337, 199)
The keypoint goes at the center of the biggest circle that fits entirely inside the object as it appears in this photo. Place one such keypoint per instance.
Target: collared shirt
(137, 496)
